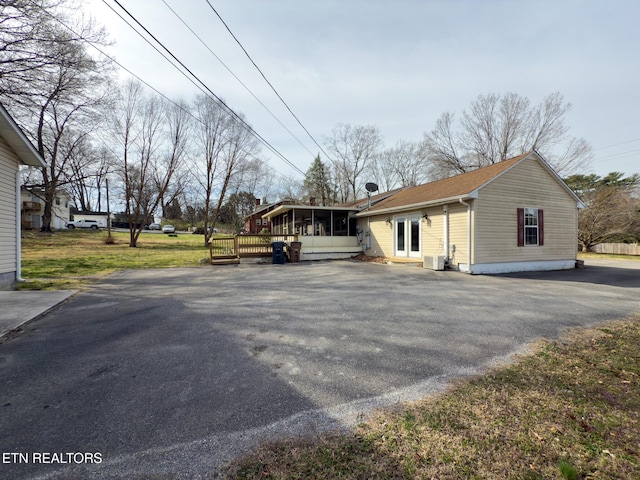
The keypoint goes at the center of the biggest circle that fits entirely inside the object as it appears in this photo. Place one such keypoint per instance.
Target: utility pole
(108, 210)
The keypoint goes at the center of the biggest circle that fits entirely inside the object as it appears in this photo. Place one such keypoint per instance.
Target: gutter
(19, 278)
(414, 206)
(468, 205)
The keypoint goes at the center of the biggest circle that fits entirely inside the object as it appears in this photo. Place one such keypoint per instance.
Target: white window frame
(531, 213)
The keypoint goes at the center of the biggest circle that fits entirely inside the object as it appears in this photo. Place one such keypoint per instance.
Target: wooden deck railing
(240, 246)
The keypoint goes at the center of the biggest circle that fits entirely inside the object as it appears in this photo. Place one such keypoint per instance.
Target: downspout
(445, 213)
(468, 205)
(368, 234)
(19, 278)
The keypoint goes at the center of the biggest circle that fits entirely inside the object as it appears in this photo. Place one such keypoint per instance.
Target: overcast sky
(397, 64)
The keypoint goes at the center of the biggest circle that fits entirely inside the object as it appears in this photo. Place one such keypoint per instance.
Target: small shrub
(265, 235)
(568, 471)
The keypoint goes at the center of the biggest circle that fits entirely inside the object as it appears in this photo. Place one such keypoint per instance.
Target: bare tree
(169, 178)
(152, 138)
(88, 167)
(28, 45)
(290, 188)
(54, 88)
(211, 135)
(411, 165)
(255, 177)
(224, 148)
(403, 165)
(382, 171)
(500, 127)
(352, 149)
(66, 117)
(240, 145)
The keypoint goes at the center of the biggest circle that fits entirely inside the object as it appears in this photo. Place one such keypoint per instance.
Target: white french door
(407, 236)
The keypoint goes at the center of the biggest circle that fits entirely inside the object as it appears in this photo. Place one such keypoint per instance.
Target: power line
(236, 77)
(617, 144)
(140, 79)
(266, 80)
(218, 99)
(615, 156)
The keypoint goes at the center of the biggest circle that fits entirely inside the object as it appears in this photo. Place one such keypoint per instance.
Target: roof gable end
(465, 185)
(462, 185)
(16, 139)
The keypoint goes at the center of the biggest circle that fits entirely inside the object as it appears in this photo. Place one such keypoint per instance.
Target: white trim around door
(407, 236)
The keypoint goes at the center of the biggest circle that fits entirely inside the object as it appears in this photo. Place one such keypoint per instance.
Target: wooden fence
(617, 248)
(240, 246)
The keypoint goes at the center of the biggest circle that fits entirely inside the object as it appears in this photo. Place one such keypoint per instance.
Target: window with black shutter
(530, 227)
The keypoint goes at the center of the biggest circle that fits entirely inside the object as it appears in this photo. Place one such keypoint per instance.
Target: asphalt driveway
(173, 372)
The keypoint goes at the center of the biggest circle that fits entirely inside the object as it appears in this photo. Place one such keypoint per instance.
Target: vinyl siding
(458, 236)
(433, 232)
(8, 167)
(527, 184)
(381, 236)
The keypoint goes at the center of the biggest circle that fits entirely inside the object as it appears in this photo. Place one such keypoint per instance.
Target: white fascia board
(17, 140)
(414, 206)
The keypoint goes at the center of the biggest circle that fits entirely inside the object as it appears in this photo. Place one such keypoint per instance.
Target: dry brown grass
(569, 409)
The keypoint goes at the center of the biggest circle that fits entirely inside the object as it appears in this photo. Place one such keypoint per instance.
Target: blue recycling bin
(277, 256)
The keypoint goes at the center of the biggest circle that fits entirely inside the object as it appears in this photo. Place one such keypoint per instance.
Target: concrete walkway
(20, 307)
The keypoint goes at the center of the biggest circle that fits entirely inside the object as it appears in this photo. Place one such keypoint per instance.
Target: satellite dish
(371, 187)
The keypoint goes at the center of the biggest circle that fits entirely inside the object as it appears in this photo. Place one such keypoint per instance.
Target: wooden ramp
(225, 260)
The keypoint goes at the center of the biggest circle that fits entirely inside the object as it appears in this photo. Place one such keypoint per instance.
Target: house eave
(286, 208)
(17, 140)
(415, 206)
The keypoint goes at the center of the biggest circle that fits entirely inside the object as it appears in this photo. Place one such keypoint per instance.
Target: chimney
(312, 201)
(257, 202)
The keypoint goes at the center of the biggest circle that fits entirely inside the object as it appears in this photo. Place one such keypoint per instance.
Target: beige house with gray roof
(516, 215)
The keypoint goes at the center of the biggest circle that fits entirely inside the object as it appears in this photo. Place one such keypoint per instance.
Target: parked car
(168, 229)
(92, 224)
(154, 226)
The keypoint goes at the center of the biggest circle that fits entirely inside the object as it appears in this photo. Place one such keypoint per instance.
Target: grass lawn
(75, 258)
(568, 410)
(582, 256)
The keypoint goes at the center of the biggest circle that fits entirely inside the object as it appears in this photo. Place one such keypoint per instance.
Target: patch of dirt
(367, 258)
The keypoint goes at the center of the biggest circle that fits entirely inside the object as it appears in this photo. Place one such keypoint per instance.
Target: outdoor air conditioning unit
(435, 262)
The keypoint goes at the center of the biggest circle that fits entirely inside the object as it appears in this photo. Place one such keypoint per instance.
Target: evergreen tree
(612, 208)
(317, 183)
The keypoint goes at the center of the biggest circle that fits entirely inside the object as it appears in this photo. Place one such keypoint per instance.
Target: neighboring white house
(15, 150)
(100, 217)
(33, 208)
